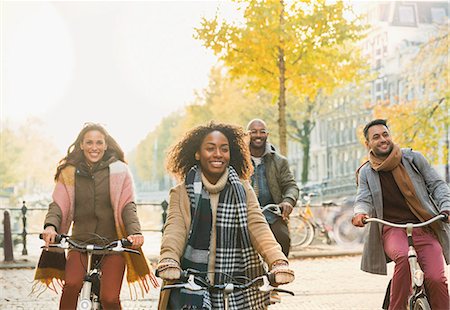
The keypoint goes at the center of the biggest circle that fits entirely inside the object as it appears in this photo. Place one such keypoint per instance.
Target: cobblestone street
(327, 278)
(321, 283)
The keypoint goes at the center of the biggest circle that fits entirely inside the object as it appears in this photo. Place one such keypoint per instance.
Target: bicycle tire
(344, 233)
(421, 303)
(301, 232)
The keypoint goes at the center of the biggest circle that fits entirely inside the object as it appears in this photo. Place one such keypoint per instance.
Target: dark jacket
(93, 210)
(281, 182)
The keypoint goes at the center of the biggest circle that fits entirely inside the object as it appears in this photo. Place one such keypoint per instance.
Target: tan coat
(178, 223)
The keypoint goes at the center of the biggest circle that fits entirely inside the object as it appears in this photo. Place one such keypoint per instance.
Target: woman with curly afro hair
(214, 222)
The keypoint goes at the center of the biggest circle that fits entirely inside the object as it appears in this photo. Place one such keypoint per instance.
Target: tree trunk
(303, 129)
(282, 128)
(282, 107)
(306, 144)
(305, 164)
(447, 145)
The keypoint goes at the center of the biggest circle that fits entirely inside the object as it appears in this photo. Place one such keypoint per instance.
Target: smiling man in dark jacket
(272, 181)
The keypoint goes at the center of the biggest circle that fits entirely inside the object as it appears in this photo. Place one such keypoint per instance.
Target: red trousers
(430, 257)
(112, 267)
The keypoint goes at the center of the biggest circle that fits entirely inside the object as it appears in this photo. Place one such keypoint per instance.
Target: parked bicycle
(418, 299)
(194, 280)
(89, 297)
(304, 226)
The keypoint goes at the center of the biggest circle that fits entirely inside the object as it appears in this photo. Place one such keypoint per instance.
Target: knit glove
(168, 269)
(283, 275)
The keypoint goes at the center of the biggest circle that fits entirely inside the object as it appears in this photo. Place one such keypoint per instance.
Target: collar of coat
(407, 153)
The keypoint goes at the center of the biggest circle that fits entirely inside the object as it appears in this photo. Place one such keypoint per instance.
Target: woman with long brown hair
(94, 196)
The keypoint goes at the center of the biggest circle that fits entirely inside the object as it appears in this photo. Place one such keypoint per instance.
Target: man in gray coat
(399, 185)
(272, 181)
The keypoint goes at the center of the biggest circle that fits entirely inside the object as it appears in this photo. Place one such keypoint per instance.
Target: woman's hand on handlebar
(49, 234)
(358, 219)
(136, 240)
(282, 273)
(168, 269)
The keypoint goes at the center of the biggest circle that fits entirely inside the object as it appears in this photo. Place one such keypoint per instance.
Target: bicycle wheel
(301, 232)
(344, 232)
(421, 303)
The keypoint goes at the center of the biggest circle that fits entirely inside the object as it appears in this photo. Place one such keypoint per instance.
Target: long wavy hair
(181, 156)
(75, 153)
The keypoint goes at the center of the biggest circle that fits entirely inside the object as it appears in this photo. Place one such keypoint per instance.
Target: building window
(406, 14)
(378, 87)
(438, 15)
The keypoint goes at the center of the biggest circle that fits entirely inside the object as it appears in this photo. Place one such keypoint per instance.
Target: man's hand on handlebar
(168, 269)
(49, 235)
(447, 214)
(286, 209)
(357, 219)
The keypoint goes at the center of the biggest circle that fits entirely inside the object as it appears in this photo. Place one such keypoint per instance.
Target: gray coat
(431, 189)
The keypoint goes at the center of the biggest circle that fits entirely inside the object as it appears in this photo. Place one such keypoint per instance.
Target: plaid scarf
(235, 255)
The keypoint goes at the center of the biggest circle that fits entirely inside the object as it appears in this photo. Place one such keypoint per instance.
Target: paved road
(321, 283)
(327, 278)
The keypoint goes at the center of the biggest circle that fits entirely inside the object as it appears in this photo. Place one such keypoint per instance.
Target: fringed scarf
(394, 164)
(51, 265)
(235, 255)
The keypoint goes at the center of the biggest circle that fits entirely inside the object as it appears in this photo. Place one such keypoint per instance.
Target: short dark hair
(374, 122)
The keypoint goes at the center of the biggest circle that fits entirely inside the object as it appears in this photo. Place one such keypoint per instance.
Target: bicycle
(89, 297)
(195, 280)
(418, 299)
(301, 230)
(304, 226)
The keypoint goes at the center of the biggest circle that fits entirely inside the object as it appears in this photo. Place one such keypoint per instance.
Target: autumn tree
(422, 114)
(28, 159)
(298, 47)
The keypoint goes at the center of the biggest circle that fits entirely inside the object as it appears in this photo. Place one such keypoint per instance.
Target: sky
(125, 65)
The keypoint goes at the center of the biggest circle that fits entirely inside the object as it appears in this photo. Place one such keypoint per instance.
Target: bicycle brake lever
(266, 287)
(191, 285)
(62, 244)
(118, 247)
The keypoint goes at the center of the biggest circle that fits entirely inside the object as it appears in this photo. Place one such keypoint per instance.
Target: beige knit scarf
(394, 163)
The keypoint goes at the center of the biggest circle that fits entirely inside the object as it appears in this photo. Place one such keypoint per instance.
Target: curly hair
(75, 154)
(181, 157)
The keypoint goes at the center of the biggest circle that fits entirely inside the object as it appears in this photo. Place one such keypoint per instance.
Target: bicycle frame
(417, 274)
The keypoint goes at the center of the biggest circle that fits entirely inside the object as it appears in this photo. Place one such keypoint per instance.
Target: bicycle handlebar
(193, 281)
(434, 219)
(273, 208)
(63, 241)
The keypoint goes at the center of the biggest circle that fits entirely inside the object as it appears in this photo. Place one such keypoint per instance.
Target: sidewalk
(321, 284)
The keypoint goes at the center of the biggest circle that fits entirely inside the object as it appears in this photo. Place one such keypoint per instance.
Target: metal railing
(23, 213)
